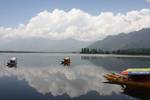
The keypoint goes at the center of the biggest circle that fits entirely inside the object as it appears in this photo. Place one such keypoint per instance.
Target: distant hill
(133, 40)
(42, 44)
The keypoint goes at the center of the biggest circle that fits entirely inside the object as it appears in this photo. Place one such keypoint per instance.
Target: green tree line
(139, 51)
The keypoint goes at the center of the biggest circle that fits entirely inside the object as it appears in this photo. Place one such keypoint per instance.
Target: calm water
(41, 77)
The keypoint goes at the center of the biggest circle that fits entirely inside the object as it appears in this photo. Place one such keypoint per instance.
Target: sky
(85, 20)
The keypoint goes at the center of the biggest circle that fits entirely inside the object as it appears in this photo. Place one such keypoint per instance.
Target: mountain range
(42, 44)
(132, 40)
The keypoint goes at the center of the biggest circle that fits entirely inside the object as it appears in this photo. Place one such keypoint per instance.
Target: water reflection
(83, 79)
(118, 63)
(58, 80)
(140, 93)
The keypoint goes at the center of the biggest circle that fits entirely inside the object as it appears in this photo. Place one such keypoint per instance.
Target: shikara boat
(66, 61)
(12, 62)
(134, 77)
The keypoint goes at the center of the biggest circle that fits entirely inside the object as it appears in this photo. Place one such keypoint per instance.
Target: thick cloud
(147, 1)
(79, 25)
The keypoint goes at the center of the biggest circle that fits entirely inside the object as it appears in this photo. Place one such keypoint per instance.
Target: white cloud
(79, 25)
(147, 1)
(59, 80)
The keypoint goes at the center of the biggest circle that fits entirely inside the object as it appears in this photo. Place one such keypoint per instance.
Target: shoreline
(77, 53)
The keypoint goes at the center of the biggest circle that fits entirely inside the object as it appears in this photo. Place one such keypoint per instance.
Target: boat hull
(116, 79)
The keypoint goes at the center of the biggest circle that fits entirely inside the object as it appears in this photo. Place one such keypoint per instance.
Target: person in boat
(12, 62)
(66, 61)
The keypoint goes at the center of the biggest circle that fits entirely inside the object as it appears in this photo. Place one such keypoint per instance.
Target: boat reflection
(139, 93)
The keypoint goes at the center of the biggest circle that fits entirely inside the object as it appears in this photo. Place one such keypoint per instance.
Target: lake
(42, 77)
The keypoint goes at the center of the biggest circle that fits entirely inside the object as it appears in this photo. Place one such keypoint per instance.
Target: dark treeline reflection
(118, 63)
(140, 93)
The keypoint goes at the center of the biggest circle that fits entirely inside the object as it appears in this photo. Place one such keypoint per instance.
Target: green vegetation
(93, 51)
(139, 51)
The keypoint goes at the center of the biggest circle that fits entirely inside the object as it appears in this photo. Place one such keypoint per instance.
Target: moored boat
(12, 62)
(134, 77)
(66, 61)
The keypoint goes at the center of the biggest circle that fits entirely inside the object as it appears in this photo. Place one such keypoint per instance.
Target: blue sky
(15, 12)
(84, 20)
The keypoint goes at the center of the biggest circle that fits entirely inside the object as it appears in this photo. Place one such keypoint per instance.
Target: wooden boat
(130, 77)
(66, 61)
(12, 62)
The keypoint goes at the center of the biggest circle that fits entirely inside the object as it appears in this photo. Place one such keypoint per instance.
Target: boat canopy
(13, 59)
(139, 73)
(138, 70)
(67, 58)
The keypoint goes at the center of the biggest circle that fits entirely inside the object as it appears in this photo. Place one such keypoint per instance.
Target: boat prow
(125, 80)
